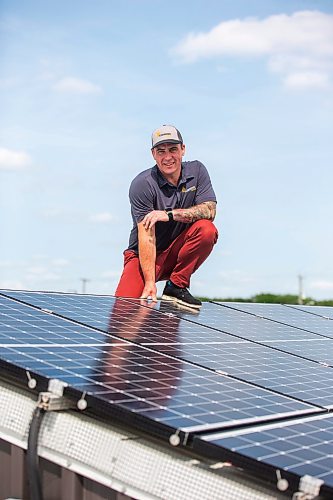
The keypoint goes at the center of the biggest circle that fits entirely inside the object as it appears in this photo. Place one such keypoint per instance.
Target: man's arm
(147, 258)
(206, 210)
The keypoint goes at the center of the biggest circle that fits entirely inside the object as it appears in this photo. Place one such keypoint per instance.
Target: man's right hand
(150, 291)
(150, 219)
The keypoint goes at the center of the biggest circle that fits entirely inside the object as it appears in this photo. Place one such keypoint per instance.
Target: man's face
(168, 158)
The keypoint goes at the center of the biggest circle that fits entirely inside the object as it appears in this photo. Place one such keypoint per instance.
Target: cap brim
(165, 141)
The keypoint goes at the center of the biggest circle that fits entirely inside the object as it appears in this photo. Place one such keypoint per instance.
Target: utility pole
(84, 282)
(300, 289)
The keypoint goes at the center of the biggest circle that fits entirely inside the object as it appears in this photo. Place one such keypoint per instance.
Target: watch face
(170, 215)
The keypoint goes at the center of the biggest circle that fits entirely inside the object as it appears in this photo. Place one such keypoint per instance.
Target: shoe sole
(179, 301)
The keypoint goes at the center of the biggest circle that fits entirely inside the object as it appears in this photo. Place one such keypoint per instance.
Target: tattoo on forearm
(205, 210)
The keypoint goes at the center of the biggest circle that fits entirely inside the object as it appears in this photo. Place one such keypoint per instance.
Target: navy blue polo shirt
(151, 191)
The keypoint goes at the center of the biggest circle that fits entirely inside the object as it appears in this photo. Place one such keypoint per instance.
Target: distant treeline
(271, 298)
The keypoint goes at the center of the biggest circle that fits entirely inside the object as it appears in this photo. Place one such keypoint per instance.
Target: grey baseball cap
(166, 133)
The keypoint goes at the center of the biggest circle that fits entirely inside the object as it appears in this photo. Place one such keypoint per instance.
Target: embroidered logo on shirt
(184, 190)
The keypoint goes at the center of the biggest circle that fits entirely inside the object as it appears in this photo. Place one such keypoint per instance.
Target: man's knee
(131, 282)
(206, 230)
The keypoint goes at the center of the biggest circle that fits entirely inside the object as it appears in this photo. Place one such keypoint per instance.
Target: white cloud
(306, 80)
(76, 86)
(103, 217)
(299, 46)
(13, 160)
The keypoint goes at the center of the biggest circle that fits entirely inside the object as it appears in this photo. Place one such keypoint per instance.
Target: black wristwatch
(170, 215)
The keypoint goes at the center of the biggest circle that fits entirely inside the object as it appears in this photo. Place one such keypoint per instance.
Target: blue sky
(249, 85)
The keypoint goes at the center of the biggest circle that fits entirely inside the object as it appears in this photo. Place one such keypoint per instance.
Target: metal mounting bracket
(53, 399)
(309, 487)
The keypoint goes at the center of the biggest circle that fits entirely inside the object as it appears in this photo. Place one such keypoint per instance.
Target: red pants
(177, 263)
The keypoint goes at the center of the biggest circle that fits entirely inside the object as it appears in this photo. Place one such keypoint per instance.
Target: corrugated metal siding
(58, 483)
(12, 471)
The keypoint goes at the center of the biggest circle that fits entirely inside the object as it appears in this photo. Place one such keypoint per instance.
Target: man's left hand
(150, 219)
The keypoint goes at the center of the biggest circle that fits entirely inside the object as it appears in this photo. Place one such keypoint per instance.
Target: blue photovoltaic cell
(245, 325)
(143, 382)
(257, 364)
(302, 447)
(92, 310)
(242, 325)
(324, 311)
(160, 329)
(120, 317)
(20, 323)
(288, 316)
(107, 313)
(159, 363)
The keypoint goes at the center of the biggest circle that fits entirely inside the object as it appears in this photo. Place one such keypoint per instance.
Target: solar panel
(99, 311)
(287, 316)
(127, 381)
(250, 326)
(323, 311)
(262, 366)
(226, 381)
(288, 339)
(296, 448)
(166, 333)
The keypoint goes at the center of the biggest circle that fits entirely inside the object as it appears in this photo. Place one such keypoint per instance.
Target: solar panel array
(218, 378)
(297, 447)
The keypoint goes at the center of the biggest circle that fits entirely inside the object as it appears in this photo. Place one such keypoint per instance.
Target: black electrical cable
(32, 455)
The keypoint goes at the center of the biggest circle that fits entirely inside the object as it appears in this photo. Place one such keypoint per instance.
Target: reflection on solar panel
(302, 447)
(99, 312)
(167, 370)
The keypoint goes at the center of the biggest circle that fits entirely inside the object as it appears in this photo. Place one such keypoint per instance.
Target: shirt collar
(184, 176)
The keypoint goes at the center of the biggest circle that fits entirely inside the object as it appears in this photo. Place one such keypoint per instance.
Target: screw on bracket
(32, 382)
